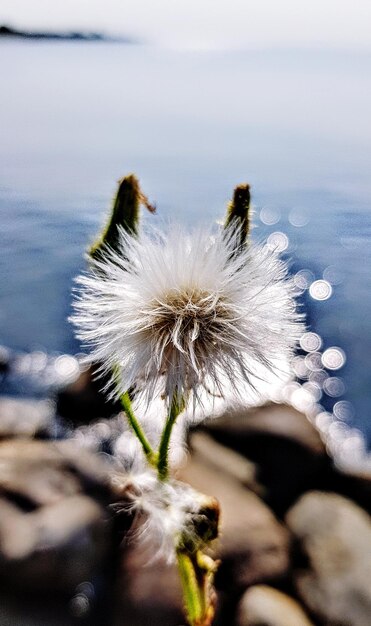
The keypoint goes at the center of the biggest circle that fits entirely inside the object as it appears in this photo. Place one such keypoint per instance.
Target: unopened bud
(201, 525)
(125, 214)
(238, 212)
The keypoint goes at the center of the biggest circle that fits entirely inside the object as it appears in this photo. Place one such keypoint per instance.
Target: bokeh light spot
(310, 342)
(332, 275)
(298, 218)
(343, 410)
(270, 216)
(303, 279)
(313, 361)
(278, 241)
(333, 358)
(320, 290)
(334, 387)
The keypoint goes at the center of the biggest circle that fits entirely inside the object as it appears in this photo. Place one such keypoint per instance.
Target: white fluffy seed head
(172, 514)
(184, 313)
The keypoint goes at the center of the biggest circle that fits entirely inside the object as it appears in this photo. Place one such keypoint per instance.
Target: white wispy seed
(184, 313)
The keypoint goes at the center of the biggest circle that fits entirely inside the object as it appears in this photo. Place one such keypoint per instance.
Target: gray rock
(25, 417)
(264, 606)
(253, 545)
(335, 537)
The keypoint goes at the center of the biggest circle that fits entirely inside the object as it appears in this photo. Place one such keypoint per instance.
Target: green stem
(147, 448)
(176, 407)
(191, 590)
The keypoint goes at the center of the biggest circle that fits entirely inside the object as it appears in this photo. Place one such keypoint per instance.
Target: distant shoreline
(6, 32)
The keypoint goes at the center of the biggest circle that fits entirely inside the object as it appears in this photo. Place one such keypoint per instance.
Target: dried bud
(200, 524)
(125, 214)
(238, 212)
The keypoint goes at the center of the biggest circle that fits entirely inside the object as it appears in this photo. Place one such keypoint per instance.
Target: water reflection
(310, 342)
(270, 216)
(333, 358)
(316, 392)
(278, 241)
(320, 290)
(298, 218)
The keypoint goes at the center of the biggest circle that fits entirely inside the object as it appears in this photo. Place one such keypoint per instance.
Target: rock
(54, 526)
(277, 438)
(224, 459)
(25, 417)
(253, 545)
(335, 538)
(149, 590)
(353, 484)
(40, 472)
(264, 606)
(4, 360)
(82, 401)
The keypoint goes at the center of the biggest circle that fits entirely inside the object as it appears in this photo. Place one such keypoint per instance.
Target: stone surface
(4, 360)
(353, 484)
(54, 525)
(335, 538)
(265, 606)
(224, 459)
(149, 590)
(253, 545)
(21, 417)
(82, 401)
(277, 438)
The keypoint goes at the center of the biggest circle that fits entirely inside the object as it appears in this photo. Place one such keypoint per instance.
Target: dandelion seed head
(171, 513)
(183, 313)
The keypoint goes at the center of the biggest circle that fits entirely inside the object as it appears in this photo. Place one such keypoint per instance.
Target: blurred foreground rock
(265, 606)
(253, 544)
(22, 417)
(334, 535)
(287, 450)
(82, 401)
(55, 530)
(149, 589)
(291, 556)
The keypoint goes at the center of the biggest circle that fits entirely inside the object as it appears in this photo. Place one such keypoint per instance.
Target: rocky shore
(8, 32)
(295, 540)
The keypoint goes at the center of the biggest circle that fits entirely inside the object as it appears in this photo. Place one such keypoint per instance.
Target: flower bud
(238, 212)
(125, 214)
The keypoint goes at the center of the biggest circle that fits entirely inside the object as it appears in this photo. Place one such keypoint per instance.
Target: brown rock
(54, 527)
(353, 484)
(277, 438)
(264, 606)
(4, 360)
(335, 537)
(41, 472)
(25, 417)
(253, 545)
(82, 401)
(149, 590)
(224, 459)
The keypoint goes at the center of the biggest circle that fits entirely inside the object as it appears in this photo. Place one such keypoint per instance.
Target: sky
(220, 24)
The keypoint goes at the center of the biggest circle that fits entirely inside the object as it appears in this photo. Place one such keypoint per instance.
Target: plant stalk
(147, 448)
(176, 407)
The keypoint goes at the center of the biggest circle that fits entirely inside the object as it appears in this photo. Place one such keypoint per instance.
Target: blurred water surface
(295, 124)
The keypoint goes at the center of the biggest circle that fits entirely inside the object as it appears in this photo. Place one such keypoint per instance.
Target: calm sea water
(295, 124)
